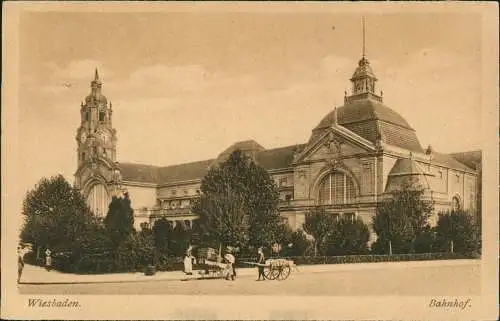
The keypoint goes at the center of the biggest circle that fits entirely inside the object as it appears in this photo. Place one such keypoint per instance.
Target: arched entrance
(98, 200)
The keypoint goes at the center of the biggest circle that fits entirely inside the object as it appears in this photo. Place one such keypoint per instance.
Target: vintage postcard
(241, 160)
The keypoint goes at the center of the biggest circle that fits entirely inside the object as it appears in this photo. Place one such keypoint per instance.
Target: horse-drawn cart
(276, 269)
(212, 266)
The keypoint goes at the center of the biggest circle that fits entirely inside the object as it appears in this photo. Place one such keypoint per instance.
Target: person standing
(48, 260)
(230, 260)
(188, 262)
(261, 260)
(20, 262)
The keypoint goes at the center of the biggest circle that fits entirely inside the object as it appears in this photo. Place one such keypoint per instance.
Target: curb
(180, 279)
(248, 272)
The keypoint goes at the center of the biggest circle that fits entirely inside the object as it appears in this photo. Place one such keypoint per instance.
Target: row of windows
(349, 216)
(184, 223)
(175, 204)
(185, 191)
(440, 175)
(102, 116)
(94, 151)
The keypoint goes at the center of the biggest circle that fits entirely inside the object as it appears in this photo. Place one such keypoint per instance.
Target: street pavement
(451, 277)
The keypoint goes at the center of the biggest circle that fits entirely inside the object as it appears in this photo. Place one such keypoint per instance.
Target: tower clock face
(83, 137)
(103, 136)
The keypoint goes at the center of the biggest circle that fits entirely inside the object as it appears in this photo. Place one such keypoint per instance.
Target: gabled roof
(450, 161)
(164, 174)
(269, 159)
(139, 172)
(184, 172)
(472, 158)
(244, 146)
(278, 157)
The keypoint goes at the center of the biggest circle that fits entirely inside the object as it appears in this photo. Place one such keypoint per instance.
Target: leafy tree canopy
(457, 226)
(55, 214)
(119, 221)
(239, 203)
(348, 237)
(319, 224)
(401, 218)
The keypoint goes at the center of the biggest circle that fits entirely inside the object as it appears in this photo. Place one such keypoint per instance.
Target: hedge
(100, 263)
(311, 260)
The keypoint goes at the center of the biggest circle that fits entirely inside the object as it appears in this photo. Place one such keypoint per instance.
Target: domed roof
(372, 120)
(405, 167)
(406, 171)
(97, 97)
(96, 91)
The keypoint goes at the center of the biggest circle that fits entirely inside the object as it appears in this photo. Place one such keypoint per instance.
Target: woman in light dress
(188, 262)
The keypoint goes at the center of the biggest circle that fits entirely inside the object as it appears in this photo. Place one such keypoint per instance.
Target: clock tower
(98, 175)
(96, 137)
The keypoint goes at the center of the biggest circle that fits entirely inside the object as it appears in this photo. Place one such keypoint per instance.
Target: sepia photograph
(274, 160)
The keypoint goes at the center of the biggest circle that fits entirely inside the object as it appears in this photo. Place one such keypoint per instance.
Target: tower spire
(96, 75)
(363, 80)
(363, 19)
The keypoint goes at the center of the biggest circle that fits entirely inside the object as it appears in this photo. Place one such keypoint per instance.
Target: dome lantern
(363, 80)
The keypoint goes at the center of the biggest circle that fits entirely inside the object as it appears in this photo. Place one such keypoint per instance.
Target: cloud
(175, 82)
(337, 65)
(80, 70)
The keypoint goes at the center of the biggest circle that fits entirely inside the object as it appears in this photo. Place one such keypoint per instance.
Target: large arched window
(336, 188)
(98, 200)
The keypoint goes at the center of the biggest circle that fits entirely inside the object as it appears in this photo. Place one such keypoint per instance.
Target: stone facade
(356, 155)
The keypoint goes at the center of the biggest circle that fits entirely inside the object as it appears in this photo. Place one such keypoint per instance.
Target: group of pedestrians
(21, 251)
(229, 260)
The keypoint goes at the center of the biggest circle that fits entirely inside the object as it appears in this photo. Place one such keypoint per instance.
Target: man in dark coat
(261, 260)
(20, 262)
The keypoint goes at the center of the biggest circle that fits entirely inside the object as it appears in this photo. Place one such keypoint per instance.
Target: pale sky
(185, 86)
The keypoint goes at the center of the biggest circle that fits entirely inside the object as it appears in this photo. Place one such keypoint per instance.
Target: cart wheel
(268, 273)
(275, 272)
(284, 272)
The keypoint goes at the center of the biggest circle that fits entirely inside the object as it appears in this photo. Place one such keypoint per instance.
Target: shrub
(310, 260)
(400, 219)
(457, 226)
(299, 243)
(425, 241)
(319, 223)
(348, 237)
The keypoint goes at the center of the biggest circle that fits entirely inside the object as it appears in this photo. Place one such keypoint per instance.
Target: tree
(400, 218)
(239, 204)
(297, 245)
(162, 232)
(180, 240)
(93, 252)
(119, 221)
(55, 215)
(319, 224)
(348, 237)
(222, 220)
(457, 227)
